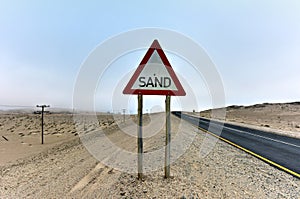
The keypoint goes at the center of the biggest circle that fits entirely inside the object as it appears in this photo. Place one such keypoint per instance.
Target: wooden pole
(140, 136)
(168, 137)
(43, 108)
(43, 124)
(124, 110)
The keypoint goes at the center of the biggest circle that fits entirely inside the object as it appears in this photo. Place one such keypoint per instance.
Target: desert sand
(281, 118)
(64, 168)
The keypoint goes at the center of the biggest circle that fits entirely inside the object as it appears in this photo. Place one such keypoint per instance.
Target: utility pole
(43, 107)
(124, 110)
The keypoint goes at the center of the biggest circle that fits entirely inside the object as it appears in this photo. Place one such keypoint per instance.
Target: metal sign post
(168, 137)
(140, 136)
(43, 107)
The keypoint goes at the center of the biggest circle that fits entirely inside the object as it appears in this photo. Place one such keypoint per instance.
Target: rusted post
(140, 136)
(168, 137)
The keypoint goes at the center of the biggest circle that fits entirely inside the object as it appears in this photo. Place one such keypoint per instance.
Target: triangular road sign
(154, 75)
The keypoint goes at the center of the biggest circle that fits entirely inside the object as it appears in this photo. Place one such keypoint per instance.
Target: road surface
(280, 151)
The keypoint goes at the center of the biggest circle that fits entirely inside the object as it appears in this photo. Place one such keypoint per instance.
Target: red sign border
(154, 46)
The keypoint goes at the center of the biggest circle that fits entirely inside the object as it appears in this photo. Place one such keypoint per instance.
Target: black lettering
(150, 82)
(167, 83)
(158, 82)
(141, 80)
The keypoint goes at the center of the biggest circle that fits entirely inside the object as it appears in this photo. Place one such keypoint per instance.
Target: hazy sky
(255, 45)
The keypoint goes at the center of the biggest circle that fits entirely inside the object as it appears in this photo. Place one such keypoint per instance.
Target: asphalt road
(282, 150)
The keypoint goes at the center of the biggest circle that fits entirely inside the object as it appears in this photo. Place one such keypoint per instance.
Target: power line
(9, 105)
(26, 106)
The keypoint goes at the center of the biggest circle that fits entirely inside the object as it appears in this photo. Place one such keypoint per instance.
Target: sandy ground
(20, 133)
(278, 118)
(63, 168)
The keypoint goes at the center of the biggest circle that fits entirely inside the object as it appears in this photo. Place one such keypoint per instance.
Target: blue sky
(255, 45)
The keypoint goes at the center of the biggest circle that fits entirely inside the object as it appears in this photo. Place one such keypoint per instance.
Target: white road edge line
(257, 135)
(267, 138)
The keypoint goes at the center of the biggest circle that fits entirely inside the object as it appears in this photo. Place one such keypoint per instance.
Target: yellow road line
(252, 153)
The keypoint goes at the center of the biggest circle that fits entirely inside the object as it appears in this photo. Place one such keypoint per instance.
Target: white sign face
(154, 76)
